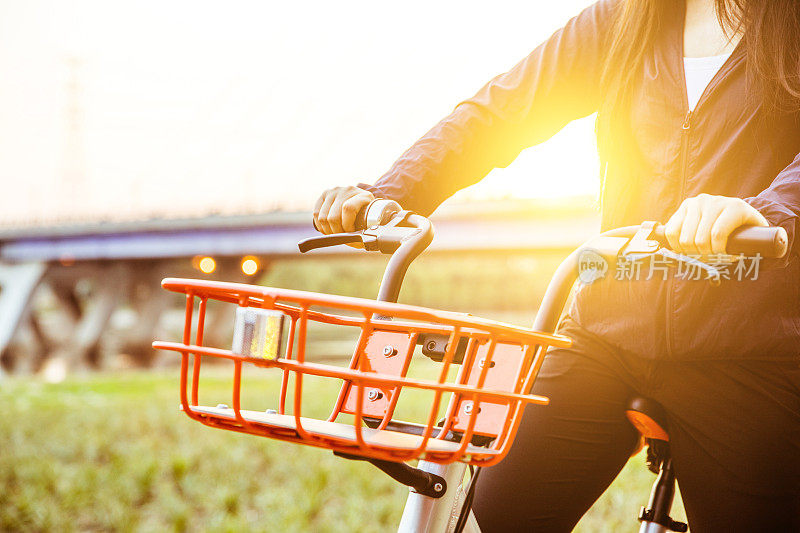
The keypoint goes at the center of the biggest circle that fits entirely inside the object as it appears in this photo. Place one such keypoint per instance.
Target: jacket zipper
(686, 128)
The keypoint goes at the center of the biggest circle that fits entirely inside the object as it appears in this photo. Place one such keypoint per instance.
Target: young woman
(697, 126)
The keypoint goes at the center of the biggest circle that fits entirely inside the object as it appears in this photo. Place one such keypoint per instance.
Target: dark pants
(734, 434)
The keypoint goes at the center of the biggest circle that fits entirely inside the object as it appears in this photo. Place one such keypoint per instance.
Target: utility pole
(73, 187)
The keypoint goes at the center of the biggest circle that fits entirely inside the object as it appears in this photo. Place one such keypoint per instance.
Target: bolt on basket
(472, 407)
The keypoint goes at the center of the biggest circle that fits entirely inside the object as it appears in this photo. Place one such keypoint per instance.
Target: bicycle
(495, 364)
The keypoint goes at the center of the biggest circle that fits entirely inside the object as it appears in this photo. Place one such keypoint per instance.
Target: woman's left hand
(702, 224)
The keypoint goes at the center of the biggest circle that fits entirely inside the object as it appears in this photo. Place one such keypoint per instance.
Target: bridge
(90, 270)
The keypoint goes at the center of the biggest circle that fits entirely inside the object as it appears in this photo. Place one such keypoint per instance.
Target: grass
(459, 282)
(113, 453)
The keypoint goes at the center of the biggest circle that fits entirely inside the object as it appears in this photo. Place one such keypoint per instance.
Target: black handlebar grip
(769, 242)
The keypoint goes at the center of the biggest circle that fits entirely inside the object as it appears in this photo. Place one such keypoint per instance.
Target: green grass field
(113, 453)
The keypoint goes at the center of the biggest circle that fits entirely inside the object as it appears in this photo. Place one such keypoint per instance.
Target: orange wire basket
(476, 397)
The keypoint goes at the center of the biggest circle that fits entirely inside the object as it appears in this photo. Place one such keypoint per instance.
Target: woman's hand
(337, 208)
(702, 224)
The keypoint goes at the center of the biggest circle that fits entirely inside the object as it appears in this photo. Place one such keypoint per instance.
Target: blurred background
(145, 139)
(140, 140)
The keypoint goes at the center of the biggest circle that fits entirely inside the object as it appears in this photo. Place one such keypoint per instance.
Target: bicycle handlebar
(769, 242)
(377, 213)
(383, 226)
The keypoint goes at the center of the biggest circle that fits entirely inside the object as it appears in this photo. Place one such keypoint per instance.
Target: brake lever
(383, 237)
(336, 239)
(643, 245)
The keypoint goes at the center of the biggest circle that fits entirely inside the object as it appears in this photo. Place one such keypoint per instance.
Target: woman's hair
(771, 37)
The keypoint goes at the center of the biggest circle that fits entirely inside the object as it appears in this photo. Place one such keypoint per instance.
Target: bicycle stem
(410, 247)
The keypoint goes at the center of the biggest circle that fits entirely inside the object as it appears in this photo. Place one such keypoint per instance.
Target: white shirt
(699, 72)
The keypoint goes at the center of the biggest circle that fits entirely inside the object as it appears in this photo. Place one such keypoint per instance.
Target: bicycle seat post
(649, 419)
(655, 517)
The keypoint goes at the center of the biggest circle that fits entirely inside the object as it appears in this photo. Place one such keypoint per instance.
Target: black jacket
(729, 145)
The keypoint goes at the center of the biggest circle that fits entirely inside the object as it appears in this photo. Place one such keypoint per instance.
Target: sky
(119, 110)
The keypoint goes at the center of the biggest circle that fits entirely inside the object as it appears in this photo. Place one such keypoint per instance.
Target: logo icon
(591, 266)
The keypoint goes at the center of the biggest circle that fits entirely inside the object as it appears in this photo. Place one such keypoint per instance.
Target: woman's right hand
(337, 208)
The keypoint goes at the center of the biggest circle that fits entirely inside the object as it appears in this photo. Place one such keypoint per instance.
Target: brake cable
(468, 497)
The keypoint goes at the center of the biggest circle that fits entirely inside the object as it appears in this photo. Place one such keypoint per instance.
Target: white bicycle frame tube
(424, 514)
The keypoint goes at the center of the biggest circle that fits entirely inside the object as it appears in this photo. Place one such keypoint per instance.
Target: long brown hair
(771, 37)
